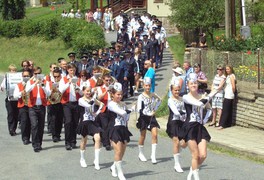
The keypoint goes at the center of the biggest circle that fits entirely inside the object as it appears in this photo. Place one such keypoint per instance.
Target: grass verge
(42, 52)
(177, 47)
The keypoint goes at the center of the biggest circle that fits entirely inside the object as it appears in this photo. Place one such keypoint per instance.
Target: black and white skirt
(174, 128)
(194, 131)
(88, 128)
(119, 133)
(147, 122)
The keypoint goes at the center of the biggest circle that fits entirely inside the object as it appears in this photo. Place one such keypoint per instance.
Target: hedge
(75, 33)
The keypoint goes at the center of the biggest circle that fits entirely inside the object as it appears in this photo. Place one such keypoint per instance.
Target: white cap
(192, 77)
(175, 82)
(118, 86)
(178, 70)
(147, 80)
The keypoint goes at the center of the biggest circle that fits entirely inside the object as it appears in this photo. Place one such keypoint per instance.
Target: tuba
(104, 71)
(55, 96)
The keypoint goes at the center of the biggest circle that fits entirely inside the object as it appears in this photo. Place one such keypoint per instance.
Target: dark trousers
(12, 115)
(56, 119)
(104, 122)
(124, 87)
(37, 120)
(131, 81)
(25, 123)
(48, 119)
(71, 117)
(227, 113)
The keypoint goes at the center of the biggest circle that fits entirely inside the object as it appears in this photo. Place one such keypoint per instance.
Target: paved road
(54, 162)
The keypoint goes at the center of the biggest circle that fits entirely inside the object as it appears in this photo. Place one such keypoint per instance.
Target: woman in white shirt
(230, 88)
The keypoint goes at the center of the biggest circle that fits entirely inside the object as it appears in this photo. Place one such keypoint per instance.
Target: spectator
(201, 78)
(106, 20)
(188, 69)
(64, 14)
(230, 88)
(78, 14)
(71, 14)
(89, 16)
(217, 100)
(151, 74)
(112, 27)
(178, 76)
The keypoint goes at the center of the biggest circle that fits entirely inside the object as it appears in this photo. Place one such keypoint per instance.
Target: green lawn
(41, 52)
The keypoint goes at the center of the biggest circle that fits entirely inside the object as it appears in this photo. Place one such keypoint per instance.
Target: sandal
(212, 124)
(220, 128)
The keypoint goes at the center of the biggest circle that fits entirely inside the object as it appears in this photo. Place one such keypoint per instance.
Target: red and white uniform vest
(106, 97)
(34, 93)
(66, 94)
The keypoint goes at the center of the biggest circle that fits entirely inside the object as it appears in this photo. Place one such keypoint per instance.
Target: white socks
(113, 170)
(153, 153)
(194, 173)
(119, 170)
(141, 154)
(177, 165)
(96, 159)
(82, 160)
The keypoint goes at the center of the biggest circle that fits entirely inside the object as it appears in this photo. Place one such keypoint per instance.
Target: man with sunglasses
(55, 107)
(22, 96)
(103, 117)
(39, 90)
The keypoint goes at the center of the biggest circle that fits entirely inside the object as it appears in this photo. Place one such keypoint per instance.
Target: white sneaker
(142, 157)
(96, 165)
(83, 163)
(136, 92)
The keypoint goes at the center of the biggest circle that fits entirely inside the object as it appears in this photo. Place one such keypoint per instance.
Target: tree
(197, 14)
(256, 10)
(13, 9)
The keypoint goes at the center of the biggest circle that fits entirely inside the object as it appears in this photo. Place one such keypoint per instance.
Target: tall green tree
(13, 9)
(197, 14)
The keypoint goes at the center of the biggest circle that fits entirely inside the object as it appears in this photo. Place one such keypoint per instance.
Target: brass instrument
(25, 96)
(55, 96)
(104, 71)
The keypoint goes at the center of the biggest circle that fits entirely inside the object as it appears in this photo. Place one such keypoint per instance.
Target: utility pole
(227, 18)
(233, 18)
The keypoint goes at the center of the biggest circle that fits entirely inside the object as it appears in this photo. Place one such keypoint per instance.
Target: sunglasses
(56, 76)
(219, 69)
(37, 73)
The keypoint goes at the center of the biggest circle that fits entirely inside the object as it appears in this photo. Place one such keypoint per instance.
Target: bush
(11, 29)
(238, 43)
(75, 33)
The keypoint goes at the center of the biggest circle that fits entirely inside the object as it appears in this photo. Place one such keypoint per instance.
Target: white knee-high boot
(82, 160)
(119, 170)
(141, 154)
(153, 153)
(96, 159)
(113, 169)
(177, 165)
(189, 177)
(196, 174)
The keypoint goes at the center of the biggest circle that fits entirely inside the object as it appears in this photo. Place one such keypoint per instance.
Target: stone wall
(249, 110)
